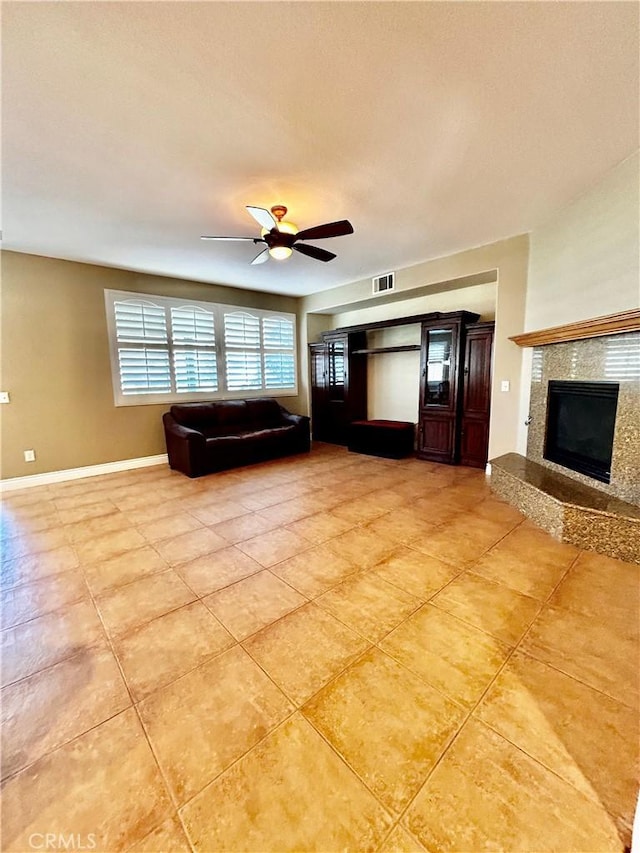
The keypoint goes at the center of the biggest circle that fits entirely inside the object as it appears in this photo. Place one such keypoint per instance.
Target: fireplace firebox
(581, 420)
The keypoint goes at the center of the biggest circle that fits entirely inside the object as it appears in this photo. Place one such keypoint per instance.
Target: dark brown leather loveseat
(206, 437)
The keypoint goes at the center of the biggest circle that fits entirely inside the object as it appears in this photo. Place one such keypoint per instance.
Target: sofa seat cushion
(222, 441)
(219, 431)
(272, 434)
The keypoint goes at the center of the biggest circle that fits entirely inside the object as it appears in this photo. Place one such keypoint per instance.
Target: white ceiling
(129, 129)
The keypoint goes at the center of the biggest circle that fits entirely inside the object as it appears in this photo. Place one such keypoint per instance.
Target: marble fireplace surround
(573, 507)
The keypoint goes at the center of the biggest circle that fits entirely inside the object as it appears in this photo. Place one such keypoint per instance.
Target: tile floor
(328, 652)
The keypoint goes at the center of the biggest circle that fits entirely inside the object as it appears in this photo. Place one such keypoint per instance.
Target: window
(174, 350)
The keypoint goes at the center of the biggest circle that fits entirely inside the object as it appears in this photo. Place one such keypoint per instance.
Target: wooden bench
(390, 439)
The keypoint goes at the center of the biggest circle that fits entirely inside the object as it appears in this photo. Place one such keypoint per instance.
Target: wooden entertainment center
(455, 383)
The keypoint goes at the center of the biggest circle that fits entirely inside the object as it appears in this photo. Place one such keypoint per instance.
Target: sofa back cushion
(226, 417)
(264, 413)
(232, 416)
(200, 416)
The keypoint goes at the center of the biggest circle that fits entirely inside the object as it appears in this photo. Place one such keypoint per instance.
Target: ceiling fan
(281, 237)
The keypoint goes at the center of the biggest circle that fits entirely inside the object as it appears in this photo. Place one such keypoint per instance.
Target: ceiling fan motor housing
(279, 238)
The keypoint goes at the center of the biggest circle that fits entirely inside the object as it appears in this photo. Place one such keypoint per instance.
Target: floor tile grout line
(617, 700)
(454, 737)
(346, 763)
(184, 673)
(35, 554)
(296, 709)
(48, 752)
(137, 713)
(117, 637)
(264, 627)
(96, 644)
(398, 825)
(239, 758)
(422, 678)
(361, 571)
(547, 604)
(523, 635)
(518, 650)
(291, 699)
(336, 675)
(72, 601)
(471, 711)
(592, 797)
(479, 701)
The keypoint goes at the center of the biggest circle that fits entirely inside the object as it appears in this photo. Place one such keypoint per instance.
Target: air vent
(384, 283)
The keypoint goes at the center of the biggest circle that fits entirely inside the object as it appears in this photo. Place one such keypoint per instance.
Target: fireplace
(580, 427)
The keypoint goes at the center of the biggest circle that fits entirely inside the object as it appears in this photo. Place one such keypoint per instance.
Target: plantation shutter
(279, 370)
(242, 351)
(277, 333)
(194, 349)
(279, 359)
(170, 350)
(142, 347)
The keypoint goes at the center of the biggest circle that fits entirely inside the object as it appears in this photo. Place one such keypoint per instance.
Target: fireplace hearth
(580, 479)
(580, 426)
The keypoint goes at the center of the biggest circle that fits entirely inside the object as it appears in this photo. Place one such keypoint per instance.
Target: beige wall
(55, 363)
(585, 262)
(451, 280)
(55, 355)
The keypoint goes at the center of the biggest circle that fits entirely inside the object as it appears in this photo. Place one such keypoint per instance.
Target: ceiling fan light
(280, 253)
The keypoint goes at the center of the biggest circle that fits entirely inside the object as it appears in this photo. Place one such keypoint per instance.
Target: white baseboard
(49, 477)
(487, 469)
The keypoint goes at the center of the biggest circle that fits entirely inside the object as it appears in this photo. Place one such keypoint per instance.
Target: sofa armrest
(184, 433)
(186, 447)
(302, 441)
(297, 420)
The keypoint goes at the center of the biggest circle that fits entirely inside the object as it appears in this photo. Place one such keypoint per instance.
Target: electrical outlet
(4, 397)
(504, 385)
(29, 456)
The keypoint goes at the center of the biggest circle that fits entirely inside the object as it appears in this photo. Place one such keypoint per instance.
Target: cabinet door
(476, 398)
(438, 393)
(318, 365)
(436, 437)
(439, 351)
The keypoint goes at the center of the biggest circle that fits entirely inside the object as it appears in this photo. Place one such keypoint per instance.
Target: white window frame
(218, 310)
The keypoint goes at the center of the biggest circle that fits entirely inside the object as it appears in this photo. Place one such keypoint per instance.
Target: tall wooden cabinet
(476, 395)
(455, 384)
(338, 385)
(455, 389)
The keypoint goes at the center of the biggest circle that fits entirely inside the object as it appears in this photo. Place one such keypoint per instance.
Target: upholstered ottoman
(391, 439)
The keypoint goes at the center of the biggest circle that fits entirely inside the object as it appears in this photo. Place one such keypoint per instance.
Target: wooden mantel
(611, 324)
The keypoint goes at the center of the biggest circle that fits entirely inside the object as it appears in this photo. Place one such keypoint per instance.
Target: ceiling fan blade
(323, 232)
(261, 257)
(315, 252)
(262, 217)
(253, 239)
